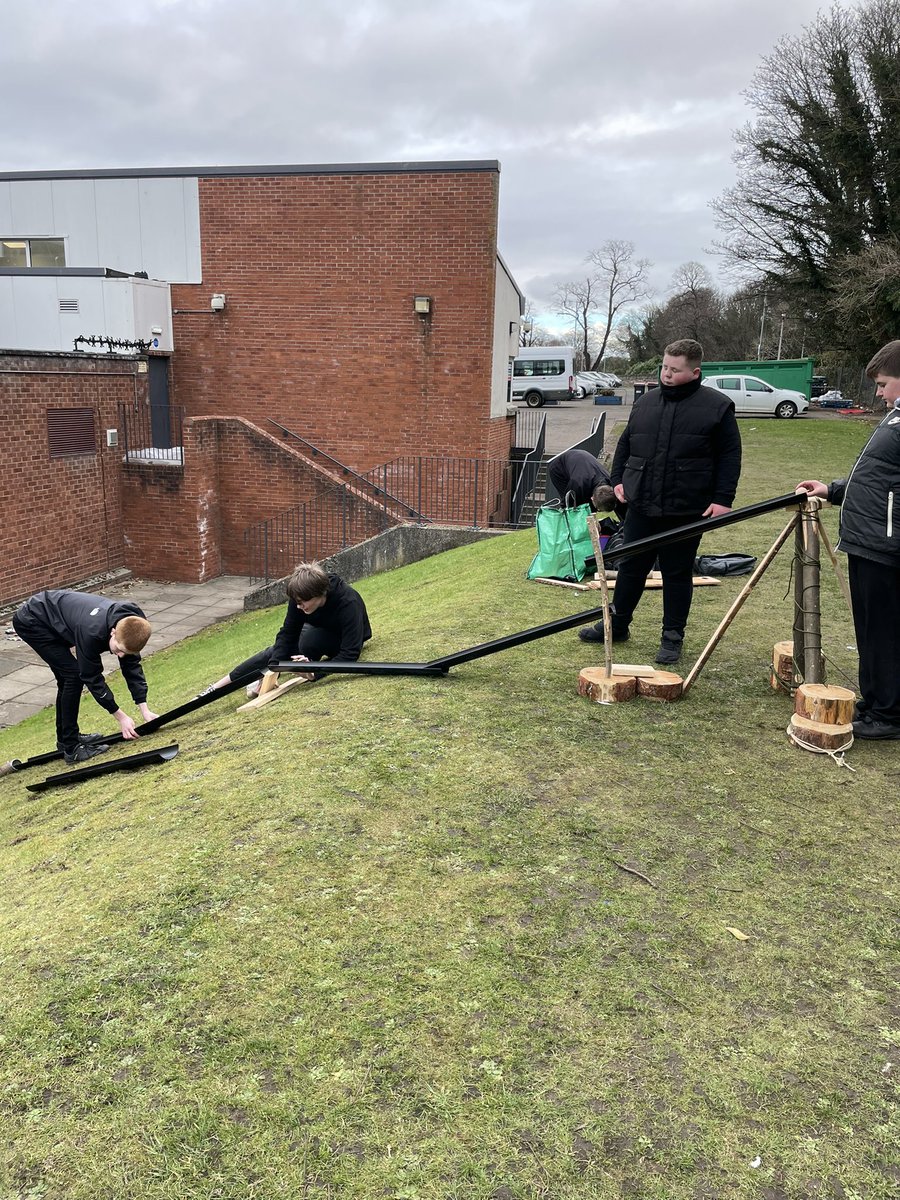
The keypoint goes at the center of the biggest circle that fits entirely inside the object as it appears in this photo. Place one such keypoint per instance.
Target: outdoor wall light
(422, 305)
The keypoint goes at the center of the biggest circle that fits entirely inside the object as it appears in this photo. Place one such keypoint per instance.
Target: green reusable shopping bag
(564, 543)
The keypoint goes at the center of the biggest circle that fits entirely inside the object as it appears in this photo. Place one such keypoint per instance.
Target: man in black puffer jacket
(678, 460)
(870, 536)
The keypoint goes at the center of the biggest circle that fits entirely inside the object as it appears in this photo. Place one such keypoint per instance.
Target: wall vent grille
(71, 431)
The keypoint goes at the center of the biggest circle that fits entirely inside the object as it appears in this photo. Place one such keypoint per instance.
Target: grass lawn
(376, 939)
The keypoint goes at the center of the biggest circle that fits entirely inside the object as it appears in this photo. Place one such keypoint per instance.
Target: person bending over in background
(56, 623)
(870, 537)
(325, 618)
(679, 459)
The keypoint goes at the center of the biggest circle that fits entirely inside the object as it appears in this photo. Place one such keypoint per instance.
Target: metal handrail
(530, 467)
(345, 470)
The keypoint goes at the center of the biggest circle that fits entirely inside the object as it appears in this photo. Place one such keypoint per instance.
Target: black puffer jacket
(870, 497)
(679, 454)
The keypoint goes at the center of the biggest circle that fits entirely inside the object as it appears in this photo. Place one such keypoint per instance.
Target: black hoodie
(86, 622)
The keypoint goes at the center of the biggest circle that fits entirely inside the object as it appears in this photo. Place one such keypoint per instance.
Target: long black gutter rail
(38, 760)
(360, 668)
(131, 763)
(650, 543)
(704, 526)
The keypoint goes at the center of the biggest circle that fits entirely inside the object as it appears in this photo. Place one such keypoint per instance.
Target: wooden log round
(824, 703)
(596, 685)
(784, 677)
(823, 737)
(661, 685)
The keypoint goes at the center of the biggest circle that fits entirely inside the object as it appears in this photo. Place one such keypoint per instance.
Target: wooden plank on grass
(274, 694)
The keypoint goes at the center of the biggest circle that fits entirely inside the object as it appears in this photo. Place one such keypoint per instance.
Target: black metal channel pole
(360, 668)
(38, 760)
(591, 614)
(705, 525)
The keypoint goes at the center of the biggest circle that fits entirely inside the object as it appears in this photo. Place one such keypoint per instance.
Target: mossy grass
(384, 937)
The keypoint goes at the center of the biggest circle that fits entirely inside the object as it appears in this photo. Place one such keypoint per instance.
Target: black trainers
(83, 752)
(90, 738)
(594, 633)
(879, 731)
(670, 647)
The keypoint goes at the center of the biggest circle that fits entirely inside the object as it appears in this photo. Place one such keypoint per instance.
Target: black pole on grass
(131, 763)
(182, 710)
(360, 668)
(650, 543)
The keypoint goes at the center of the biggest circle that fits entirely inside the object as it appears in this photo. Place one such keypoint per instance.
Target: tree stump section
(784, 677)
(596, 685)
(824, 704)
(822, 737)
(661, 685)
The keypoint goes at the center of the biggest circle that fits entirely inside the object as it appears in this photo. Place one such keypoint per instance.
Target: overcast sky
(610, 118)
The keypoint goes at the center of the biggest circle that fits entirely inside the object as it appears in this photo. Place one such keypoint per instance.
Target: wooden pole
(841, 578)
(799, 657)
(735, 608)
(594, 530)
(812, 626)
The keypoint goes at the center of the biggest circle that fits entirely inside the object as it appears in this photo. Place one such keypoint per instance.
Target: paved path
(175, 610)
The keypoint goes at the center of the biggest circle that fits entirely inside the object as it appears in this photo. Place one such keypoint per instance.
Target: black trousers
(315, 643)
(61, 661)
(875, 591)
(676, 562)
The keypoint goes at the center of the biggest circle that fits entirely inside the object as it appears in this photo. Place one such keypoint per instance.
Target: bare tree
(577, 299)
(818, 183)
(620, 279)
(593, 303)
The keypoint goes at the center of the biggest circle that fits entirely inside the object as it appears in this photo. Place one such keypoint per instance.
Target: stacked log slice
(824, 703)
(823, 716)
(822, 736)
(596, 685)
(661, 685)
(784, 678)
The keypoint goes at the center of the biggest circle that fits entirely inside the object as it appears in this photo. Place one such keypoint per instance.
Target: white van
(541, 373)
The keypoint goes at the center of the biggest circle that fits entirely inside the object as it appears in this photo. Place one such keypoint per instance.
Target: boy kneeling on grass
(325, 618)
(70, 631)
(870, 537)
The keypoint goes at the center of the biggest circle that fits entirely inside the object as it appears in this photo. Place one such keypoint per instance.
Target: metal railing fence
(474, 492)
(333, 520)
(153, 433)
(528, 474)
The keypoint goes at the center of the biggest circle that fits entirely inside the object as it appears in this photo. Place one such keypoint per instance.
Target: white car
(585, 385)
(602, 379)
(753, 397)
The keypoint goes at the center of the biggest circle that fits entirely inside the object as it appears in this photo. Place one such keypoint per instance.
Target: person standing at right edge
(870, 537)
(678, 460)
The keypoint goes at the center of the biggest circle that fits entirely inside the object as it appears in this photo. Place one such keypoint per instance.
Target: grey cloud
(609, 119)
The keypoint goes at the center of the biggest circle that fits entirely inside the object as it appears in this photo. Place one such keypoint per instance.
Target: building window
(32, 252)
(71, 431)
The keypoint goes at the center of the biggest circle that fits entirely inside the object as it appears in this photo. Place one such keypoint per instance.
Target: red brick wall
(319, 330)
(61, 517)
(190, 525)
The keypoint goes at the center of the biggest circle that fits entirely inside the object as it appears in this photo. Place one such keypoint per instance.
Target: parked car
(752, 397)
(602, 380)
(584, 385)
